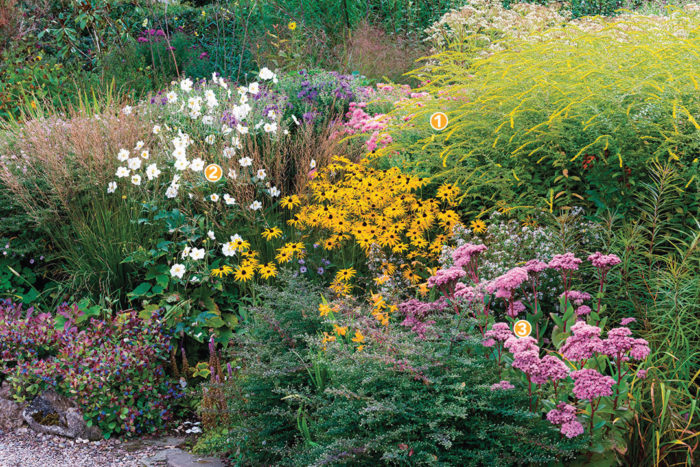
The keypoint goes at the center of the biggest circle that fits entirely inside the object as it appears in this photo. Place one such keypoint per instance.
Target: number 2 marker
(213, 172)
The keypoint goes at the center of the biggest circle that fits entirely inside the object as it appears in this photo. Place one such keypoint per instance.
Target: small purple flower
(303, 269)
(320, 271)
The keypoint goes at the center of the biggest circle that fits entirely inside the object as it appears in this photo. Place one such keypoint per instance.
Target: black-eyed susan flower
(478, 226)
(271, 232)
(345, 274)
(243, 273)
(267, 271)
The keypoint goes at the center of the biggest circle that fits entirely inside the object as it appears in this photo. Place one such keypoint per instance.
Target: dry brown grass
(48, 163)
(375, 54)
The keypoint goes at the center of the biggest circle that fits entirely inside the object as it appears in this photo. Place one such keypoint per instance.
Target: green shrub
(294, 404)
(579, 114)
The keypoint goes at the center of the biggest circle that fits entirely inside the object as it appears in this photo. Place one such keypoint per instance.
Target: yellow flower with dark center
(243, 273)
(292, 25)
(270, 233)
(340, 287)
(267, 271)
(478, 226)
(345, 274)
(290, 202)
(224, 270)
(284, 256)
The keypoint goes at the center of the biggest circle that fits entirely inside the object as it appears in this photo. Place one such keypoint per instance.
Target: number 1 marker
(438, 121)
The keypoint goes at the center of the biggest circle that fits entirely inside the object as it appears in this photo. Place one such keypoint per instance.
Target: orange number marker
(438, 121)
(522, 328)
(213, 172)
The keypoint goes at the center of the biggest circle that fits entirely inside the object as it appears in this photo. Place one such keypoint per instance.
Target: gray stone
(180, 458)
(10, 415)
(53, 414)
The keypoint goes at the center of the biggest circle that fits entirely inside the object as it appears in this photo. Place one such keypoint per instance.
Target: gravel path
(25, 448)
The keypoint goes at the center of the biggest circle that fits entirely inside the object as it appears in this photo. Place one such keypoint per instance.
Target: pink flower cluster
(361, 122)
(619, 342)
(602, 261)
(503, 386)
(589, 384)
(565, 262)
(446, 277)
(463, 255)
(575, 296)
(565, 415)
(515, 308)
(583, 343)
(535, 266)
(505, 284)
(499, 331)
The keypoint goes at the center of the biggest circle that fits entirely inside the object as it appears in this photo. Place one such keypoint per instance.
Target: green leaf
(141, 290)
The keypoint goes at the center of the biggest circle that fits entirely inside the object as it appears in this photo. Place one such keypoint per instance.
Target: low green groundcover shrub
(402, 401)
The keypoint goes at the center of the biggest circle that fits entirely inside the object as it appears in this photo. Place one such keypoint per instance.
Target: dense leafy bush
(113, 368)
(551, 123)
(401, 400)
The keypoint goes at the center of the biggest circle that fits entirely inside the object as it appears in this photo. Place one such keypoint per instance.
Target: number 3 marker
(438, 121)
(522, 328)
(213, 172)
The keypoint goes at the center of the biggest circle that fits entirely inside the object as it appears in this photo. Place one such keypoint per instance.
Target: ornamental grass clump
(578, 115)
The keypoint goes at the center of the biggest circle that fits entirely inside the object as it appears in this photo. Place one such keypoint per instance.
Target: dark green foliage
(581, 8)
(294, 404)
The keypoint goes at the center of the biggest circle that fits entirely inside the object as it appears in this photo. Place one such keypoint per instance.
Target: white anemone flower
(134, 163)
(266, 74)
(245, 161)
(261, 174)
(186, 85)
(136, 179)
(152, 172)
(197, 165)
(197, 253)
(123, 155)
(123, 172)
(229, 200)
(255, 205)
(112, 187)
(177, 270)
(181, 164)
